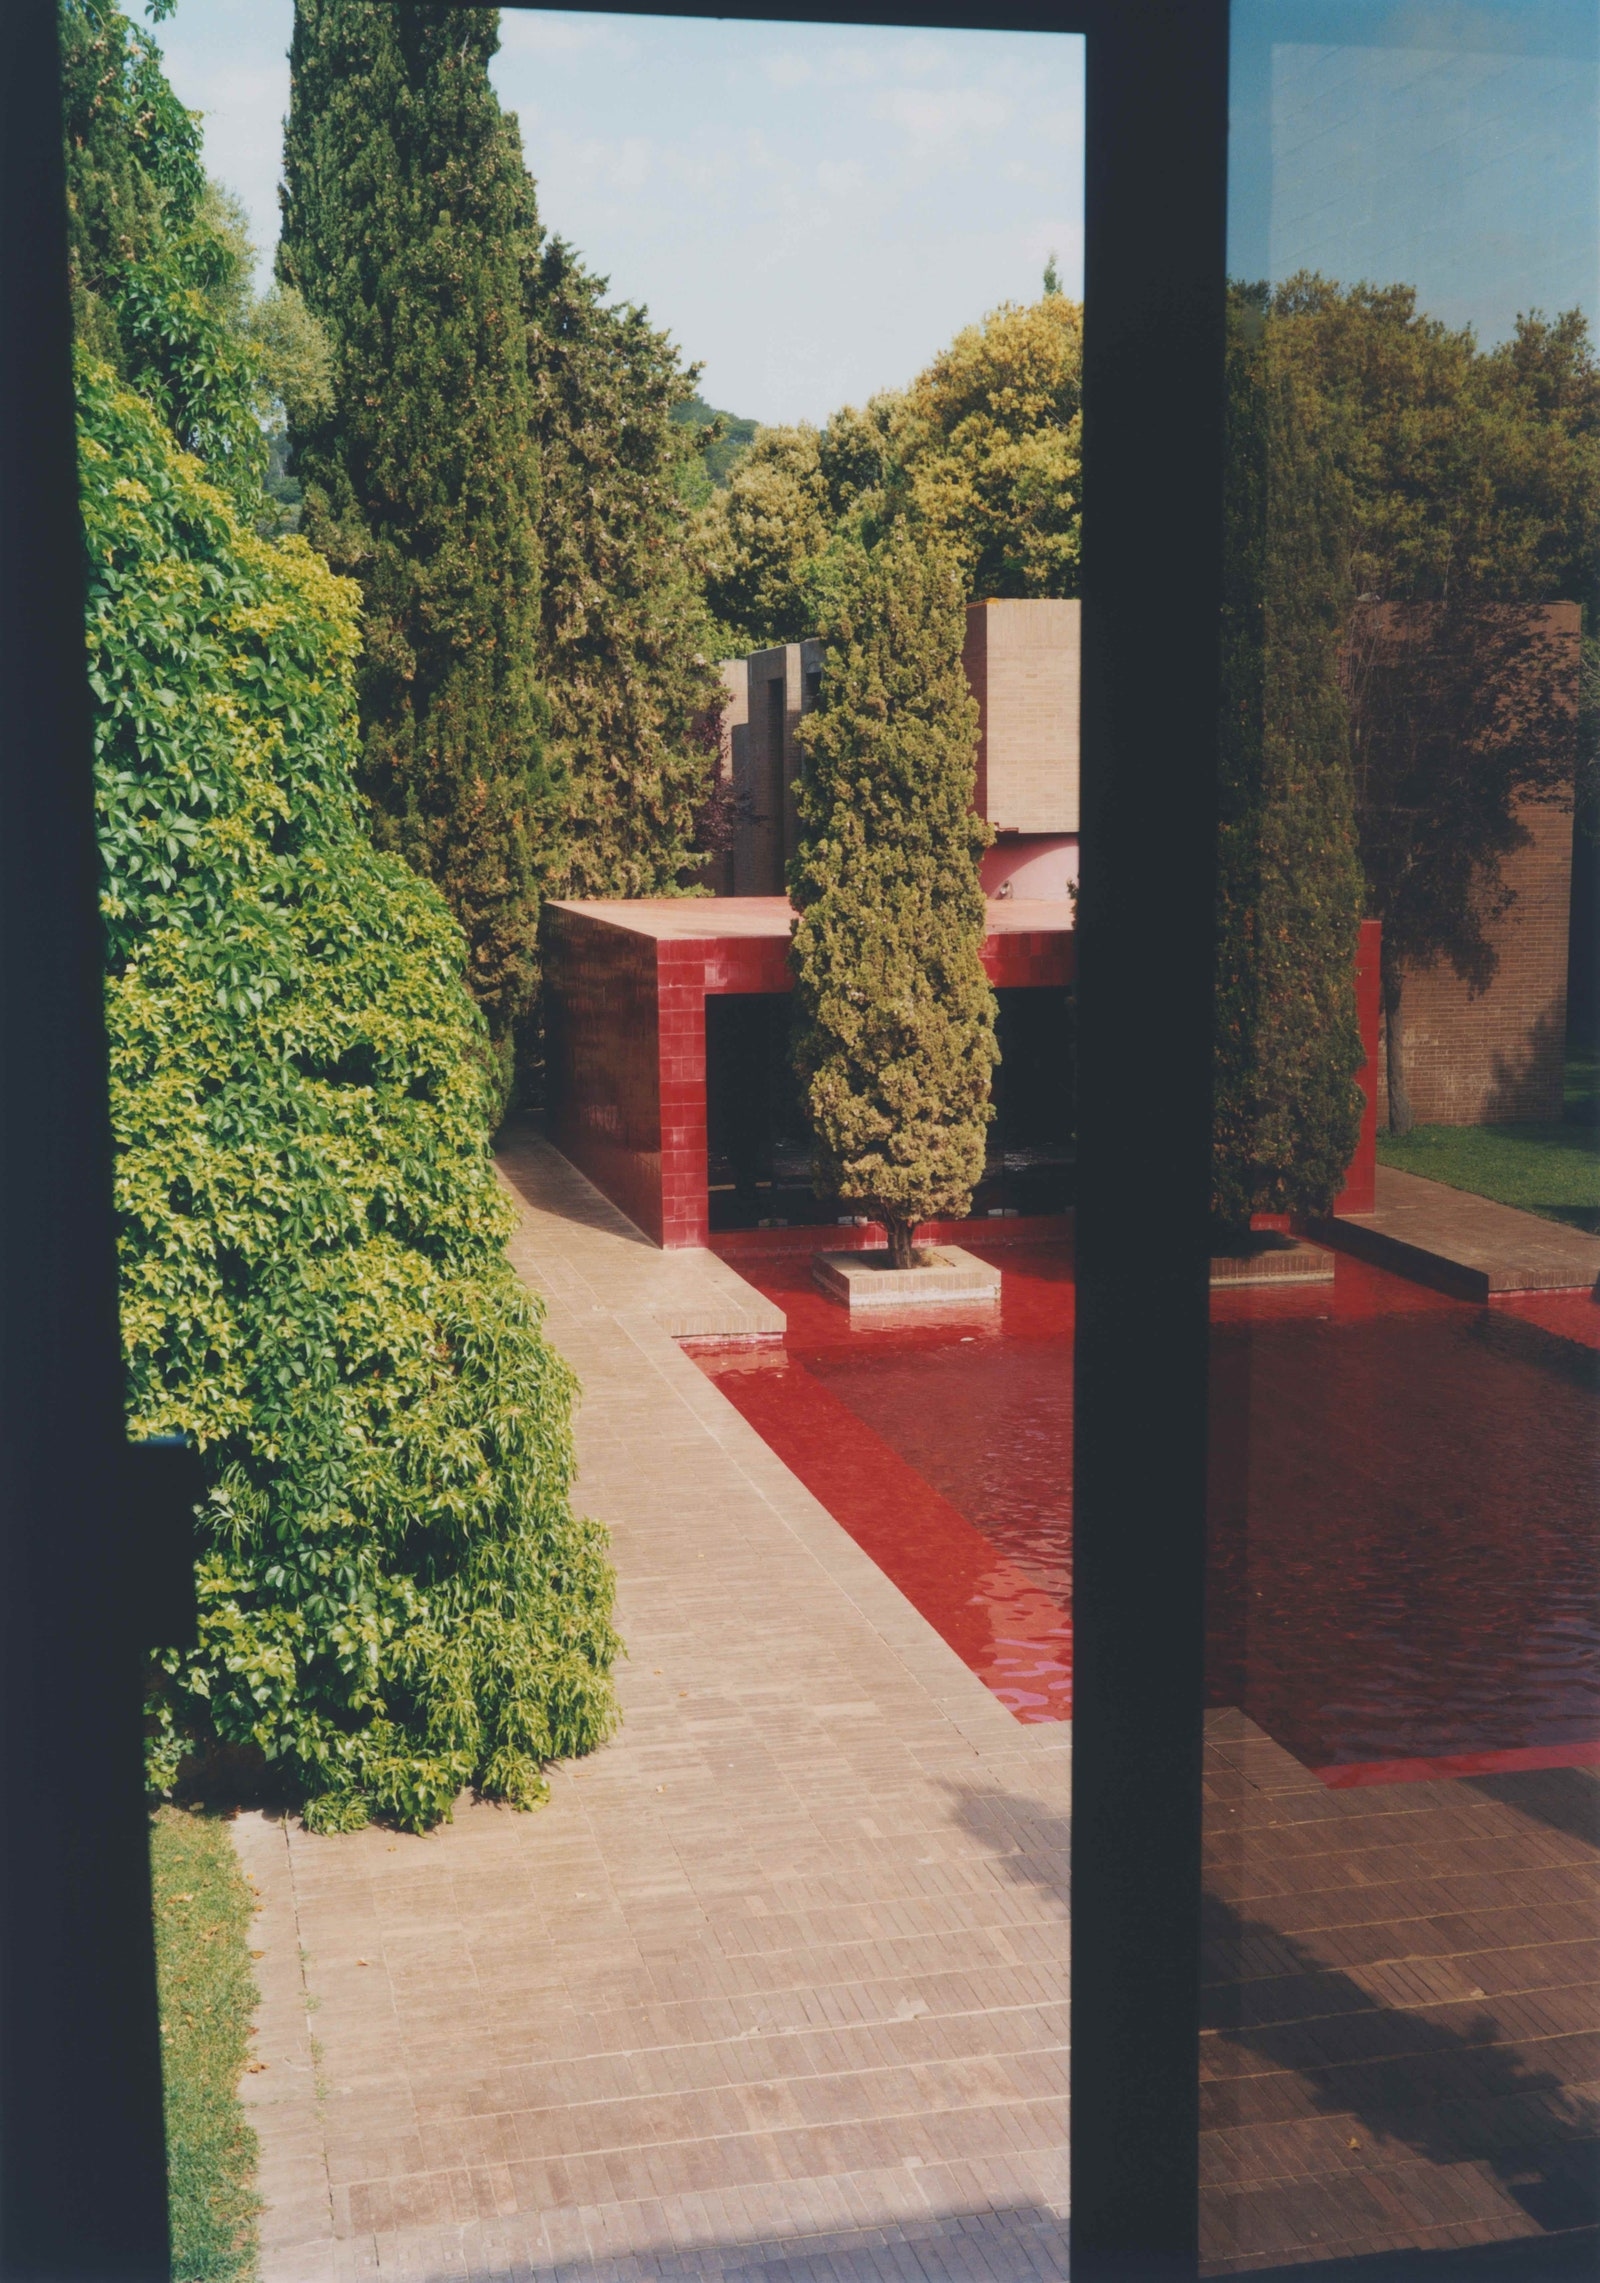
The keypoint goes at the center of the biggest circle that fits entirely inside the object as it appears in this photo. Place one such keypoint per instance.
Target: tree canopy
(981, 454)
(395, 1597)
(762, 534)
(1473, 483)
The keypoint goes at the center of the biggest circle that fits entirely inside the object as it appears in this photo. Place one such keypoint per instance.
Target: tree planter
(941, 1275)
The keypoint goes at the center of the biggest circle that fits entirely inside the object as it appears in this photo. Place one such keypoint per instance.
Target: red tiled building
(627, 986)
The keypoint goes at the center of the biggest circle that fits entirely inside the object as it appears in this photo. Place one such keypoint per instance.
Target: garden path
(775, 1985)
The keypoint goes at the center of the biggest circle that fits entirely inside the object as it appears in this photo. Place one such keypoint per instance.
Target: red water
(1405, 1567)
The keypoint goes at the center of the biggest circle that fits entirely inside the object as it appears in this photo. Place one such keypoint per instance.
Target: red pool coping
(1519, 1758)
(1005, 1628)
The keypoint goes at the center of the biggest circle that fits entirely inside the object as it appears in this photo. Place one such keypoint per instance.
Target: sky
(1447, 146)
(812, 213)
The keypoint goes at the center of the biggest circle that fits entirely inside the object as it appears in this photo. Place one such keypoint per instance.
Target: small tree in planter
(894, 1037)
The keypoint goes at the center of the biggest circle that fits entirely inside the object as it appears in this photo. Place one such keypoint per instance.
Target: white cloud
(595, 161)
(544, 32)
(841, 176)
(946, 115)
(788, 70)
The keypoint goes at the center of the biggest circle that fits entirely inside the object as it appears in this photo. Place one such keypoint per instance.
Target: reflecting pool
(1404, 1565)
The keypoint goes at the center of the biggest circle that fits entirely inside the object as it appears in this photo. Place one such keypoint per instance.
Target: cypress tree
(895, 1031)
(626, 639)
(1286, 1106)
(409, 220)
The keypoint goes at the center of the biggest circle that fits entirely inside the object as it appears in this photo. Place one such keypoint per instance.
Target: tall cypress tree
(626, 639)
(1286, 1107)
(895, 1039)
(409, 221)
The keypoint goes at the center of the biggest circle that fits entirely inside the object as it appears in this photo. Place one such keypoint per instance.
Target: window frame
(76, 1959)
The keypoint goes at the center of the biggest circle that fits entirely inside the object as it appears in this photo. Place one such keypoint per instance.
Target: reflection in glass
(1403, 1664)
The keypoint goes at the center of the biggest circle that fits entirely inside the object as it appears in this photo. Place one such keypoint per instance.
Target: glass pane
(1403, 1726)
(614, 363)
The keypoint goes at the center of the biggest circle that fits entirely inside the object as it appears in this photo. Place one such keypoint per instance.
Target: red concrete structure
(1360, 1191)
(627, 987)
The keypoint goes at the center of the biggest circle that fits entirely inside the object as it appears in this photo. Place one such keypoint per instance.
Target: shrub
(395, 1597)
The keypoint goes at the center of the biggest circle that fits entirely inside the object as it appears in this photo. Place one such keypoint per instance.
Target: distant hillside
(737, 437)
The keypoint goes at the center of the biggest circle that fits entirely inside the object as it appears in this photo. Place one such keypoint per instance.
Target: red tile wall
(627, 1053)
(604, 1060)
(1360, 1191)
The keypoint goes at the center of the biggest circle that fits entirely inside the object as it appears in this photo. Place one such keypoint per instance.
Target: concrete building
(1022, 661)
(767, 694)
(669, 1068)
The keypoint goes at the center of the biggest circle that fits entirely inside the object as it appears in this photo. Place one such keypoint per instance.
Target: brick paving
(775, 1985)
(1402, 2010)
(1463, 1243)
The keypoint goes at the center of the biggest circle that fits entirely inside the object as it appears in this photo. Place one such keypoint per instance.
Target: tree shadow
(1527, 1082)
(1563, 1799)
(1448, 2094)
(551, 1183)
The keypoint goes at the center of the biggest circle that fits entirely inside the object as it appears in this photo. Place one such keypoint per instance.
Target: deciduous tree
(1474, 483)
(396, 1598)
(991, 444)
(760, 536)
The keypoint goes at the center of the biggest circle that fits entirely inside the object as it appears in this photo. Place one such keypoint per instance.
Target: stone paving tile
(1402, 2010)
(1474, 1246)
(775, 1986)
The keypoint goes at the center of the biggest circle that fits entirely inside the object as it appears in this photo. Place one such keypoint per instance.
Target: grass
(203, 1910)
(1552, 1169)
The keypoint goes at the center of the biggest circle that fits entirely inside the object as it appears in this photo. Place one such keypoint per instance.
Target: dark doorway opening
(758, 1137)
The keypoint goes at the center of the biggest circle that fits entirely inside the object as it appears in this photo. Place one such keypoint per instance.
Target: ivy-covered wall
(396, 1598)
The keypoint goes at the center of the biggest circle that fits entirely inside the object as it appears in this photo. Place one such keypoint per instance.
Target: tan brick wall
(1471, 1062)
(1475, 1061)
(1023, 663)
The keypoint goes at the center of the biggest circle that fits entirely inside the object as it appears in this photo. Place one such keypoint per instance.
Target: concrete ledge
(1274, 1259)
(944, 1275)
(1464, 1244)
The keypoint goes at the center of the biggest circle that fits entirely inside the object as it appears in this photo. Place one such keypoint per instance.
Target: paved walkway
(775, 1985)
(1463, 1243)
(1401, 2042)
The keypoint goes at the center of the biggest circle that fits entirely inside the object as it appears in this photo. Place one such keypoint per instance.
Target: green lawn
(1553, 1168)
(203, 1909)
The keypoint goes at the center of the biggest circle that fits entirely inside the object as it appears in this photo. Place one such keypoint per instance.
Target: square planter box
(1272, 1258)
(944, 1276)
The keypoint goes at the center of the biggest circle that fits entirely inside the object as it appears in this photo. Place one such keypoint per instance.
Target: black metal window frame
(82, 2190)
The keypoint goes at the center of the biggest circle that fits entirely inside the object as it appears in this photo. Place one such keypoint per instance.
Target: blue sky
(811, 212)
(1451, 146)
